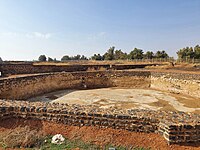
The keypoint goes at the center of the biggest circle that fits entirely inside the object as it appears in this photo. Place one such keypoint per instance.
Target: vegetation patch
(21, 137)
(31, 139)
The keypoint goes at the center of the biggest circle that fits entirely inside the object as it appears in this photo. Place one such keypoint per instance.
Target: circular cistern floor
(124, 99)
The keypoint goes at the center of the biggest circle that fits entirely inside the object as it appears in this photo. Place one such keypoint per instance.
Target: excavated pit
(131, 100)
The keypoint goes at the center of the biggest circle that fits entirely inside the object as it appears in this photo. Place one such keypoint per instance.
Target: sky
(29, 28)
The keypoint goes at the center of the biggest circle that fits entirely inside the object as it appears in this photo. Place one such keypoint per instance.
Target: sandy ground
(124, 98)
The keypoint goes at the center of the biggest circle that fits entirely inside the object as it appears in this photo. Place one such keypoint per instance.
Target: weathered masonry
(28, 86)
(14, 69)
(176, 127)
(23, 87)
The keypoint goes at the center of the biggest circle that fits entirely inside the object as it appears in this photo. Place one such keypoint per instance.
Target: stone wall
(176, 127)
(180, 133)
(184, 83)
(13, 69)
(28, 86)
(31, 85)
(77, 115)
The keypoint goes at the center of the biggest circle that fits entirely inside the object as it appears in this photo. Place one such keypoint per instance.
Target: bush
(21, 137)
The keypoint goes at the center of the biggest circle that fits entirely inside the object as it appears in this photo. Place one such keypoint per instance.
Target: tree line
(113, 54)
(136, 53)
(189, 53)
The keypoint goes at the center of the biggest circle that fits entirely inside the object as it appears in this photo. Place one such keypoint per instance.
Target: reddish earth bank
(98, 136)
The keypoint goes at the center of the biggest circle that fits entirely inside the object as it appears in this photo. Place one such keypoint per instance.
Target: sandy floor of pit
(124, 98)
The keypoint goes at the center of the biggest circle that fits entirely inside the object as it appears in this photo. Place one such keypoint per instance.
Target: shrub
(21, 137)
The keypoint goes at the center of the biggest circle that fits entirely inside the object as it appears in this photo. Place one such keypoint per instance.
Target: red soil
(98, 136)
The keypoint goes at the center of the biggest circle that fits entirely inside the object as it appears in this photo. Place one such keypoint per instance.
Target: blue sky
(55, 28)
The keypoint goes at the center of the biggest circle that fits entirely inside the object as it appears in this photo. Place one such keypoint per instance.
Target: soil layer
(97, 135)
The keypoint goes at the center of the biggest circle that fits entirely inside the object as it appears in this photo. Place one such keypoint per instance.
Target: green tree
(181, 53)
(1, 60)
(119, 54)
(77, 57)
(83, 57)
(65, 58)
(197, 52)
(109, 55)
(50, 59)
(186, 53)
(42, 58)
(97, 57)
(161, 54)
(136, 54)
(149, 55)
(55, 60)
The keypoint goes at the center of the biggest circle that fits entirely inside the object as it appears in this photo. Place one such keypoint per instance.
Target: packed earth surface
(124, 99)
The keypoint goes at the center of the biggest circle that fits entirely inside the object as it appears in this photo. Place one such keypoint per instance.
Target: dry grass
(21, 137)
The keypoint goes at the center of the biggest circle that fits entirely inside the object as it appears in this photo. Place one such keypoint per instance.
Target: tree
(109, 55)
(136, 54)
(197, 52)
(120, 55)
(1, 61)
(65, 58)
(42, 58)
(149, 55)
(187, 53)
(50, 59)
(77, 57)
(97, 57)
(181, 53)
(55, 60)
(83, 57)
(161, 54)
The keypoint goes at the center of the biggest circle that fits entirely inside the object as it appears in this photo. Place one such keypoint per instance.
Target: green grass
(45, 144)
(68, 145)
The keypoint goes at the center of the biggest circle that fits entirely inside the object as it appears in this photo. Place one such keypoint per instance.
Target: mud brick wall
(183, 83)
(28, 86)
(174, 126)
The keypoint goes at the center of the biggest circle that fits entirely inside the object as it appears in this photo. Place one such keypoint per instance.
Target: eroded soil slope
(98, 136)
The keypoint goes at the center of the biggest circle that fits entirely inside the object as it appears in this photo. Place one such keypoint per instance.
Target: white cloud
(8, 34)
(39, 35)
